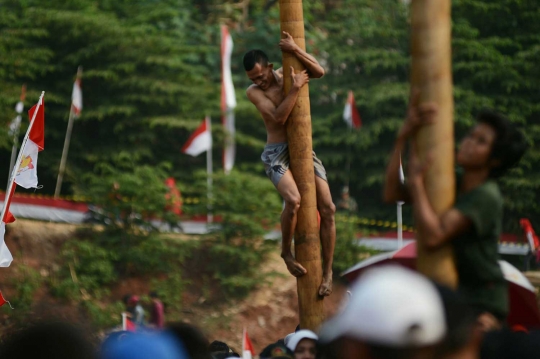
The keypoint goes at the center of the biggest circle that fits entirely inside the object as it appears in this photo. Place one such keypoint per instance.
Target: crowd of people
(391, 313)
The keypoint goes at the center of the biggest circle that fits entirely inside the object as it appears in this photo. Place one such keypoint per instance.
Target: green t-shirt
(480, 277)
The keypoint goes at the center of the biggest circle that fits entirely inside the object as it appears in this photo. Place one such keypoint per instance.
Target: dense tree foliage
(152, 71)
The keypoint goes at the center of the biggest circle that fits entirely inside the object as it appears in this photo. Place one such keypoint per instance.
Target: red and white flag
(127, 324)
(26, 175)
(532, 238)
(247, 347)
(351, 114)
(200, 140)
(24, 172)
(5, 255)
(76, 96)
(228, 100)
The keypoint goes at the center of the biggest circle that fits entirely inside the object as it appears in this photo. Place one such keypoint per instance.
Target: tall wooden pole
(432, 76)
(307, 246)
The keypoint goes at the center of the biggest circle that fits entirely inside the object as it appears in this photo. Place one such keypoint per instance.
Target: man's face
(475, 148)
(305, 349)
(260, 75)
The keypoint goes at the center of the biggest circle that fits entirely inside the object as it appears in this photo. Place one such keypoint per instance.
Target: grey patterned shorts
(276, 162)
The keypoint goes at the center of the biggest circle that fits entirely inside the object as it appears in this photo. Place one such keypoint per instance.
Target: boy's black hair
(253, 57)
(218, 346)
(509, 145)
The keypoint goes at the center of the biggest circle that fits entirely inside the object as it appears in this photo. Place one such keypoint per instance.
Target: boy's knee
(293, 203)
(328, 211)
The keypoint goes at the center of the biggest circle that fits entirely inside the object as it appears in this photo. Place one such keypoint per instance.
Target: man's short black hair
(253, 57)
(509, 145)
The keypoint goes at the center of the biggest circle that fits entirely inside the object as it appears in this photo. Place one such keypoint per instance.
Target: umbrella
(523, 306)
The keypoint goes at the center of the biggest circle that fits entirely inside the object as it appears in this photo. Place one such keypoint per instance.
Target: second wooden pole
(432, 76)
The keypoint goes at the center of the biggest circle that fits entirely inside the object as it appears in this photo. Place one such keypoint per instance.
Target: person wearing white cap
(393, 313)
(303, 344)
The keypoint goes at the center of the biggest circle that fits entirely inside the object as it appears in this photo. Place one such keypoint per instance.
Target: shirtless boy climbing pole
(267, 94)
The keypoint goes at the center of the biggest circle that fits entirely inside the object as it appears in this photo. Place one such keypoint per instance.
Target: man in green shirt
(474, 224)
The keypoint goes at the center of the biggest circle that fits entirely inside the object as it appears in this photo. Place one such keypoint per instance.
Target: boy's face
(475, 148)
(261, 75)
(306, 349)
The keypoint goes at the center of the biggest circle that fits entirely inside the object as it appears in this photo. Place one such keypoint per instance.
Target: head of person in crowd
(47, 340)
(133, 300)
(153, 296)
(345, 192)
(195, 343)
(225, 355)
(393, 313)
(221, 350)
(463, 335)
(510, 344)
(494, 144)
(144, 345)
(303, 344)
(276, 350)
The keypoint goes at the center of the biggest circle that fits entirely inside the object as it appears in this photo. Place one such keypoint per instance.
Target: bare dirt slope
(268, 313)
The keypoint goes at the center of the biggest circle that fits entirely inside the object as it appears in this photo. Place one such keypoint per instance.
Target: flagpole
(67, 141)
(62, 168)
(15, 145)
(400, 224)
(19, 157)
(349, 155)
(210, 216)
(400, 207)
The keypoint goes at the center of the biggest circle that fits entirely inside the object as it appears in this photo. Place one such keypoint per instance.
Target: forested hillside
(152, 71)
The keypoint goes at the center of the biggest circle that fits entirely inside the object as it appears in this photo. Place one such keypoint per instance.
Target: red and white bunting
(228, 100)
(351, 114)
(200, 140)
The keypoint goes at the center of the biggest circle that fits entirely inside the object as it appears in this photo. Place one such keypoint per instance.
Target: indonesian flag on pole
(401, 173)
(228, 100)
(350, 113)
(200, 140)
(247, 347)
(532, 238)
(127, 324)
(26, 175)
(76, 96)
